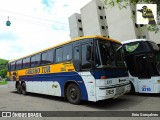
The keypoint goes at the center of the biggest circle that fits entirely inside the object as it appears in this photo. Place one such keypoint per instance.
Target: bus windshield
(108, 55)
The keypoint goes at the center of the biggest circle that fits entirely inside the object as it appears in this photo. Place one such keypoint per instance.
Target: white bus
(142, 60)
(86, 68)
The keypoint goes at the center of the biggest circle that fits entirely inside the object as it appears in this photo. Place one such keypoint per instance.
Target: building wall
(76, 28)
(120, 24)
(111, 22)
(92, 24)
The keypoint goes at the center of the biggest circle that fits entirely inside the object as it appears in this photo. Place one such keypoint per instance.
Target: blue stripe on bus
(61, 78)
(109, 73)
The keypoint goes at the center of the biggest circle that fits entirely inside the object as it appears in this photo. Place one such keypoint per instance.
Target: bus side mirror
(88, 54)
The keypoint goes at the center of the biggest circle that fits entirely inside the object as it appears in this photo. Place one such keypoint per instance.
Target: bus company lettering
(33, 71)
(46, 69)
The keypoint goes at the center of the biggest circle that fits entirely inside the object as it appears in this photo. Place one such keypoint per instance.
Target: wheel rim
(18, 89)
(73, 93)
(23, 88)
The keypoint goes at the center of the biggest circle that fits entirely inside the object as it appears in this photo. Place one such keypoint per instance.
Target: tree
(124, 3)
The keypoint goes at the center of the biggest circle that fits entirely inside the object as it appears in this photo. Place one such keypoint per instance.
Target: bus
(86, 68)
(142, 59)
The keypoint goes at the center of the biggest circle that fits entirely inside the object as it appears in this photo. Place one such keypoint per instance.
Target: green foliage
(124, 3)
(3, 67)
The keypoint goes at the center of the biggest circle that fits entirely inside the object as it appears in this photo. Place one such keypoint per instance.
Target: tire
(132, 91)
(19, 88)
(24, 92)
(73, 94)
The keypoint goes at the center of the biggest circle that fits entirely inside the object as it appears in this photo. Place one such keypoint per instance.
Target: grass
(3, 82)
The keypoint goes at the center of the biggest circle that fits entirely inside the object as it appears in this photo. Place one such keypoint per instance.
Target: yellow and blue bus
(86, 68)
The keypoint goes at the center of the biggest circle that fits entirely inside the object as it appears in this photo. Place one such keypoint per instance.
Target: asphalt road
(11, 101)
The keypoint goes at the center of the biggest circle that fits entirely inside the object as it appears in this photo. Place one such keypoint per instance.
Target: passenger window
(58, 54)
(37, 59)
(86, 56)
(13, 66)
(76, 58)
(26, 62)
(76, 53)
(67, 52)
(18, 64)
(50, 56)
(33, 59)
(44, 58)
(47, 57)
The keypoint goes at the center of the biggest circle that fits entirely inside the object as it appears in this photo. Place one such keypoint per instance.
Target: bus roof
(69, 41)
(133, 40)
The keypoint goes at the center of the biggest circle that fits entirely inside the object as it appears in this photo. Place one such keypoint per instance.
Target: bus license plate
(119, 90)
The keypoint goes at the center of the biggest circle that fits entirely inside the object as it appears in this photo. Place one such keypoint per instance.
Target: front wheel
(73, 94)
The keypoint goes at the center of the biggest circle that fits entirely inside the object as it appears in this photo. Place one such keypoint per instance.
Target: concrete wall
(75, 26)
(91, 18)
(120, 24)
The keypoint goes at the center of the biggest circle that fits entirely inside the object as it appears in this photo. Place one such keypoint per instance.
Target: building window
(133, 12)
(80, 29)
(101, 17)
(103, 7)
(105, 17)
(136, 25)
(144, 36)
(108, 36)
(141, 25)
(103, 27)
(138, 37)
(79, 20)
(106, 27)
(99, 7)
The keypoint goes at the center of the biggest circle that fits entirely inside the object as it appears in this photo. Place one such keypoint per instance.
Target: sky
(35, 25)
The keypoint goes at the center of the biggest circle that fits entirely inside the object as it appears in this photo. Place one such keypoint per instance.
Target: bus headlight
(110, 91)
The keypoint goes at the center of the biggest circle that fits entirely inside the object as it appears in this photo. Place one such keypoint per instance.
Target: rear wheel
(73, 93)
(19, 88)
(24, 92)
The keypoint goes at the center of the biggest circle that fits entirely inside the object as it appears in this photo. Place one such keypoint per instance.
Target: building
(75, 25)
(111, 22)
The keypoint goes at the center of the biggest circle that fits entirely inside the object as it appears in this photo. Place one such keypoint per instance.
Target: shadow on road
(121, 103)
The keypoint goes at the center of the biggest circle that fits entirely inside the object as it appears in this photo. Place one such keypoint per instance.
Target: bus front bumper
(112, 92)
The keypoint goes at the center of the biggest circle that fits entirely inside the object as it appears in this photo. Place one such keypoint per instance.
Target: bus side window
(33, 59)
(86, 56)
(9, 66)
(26, 62)
(37, 59)
(67, 52)
(76, 57)
(18, 64)
(12, 66)
(59, 55)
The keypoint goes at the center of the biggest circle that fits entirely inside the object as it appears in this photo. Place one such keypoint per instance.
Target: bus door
(143, 73)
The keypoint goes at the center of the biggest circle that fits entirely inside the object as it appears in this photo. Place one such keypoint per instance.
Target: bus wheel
(19, 88)
(132, 91)
(24, 92)
(73, 93)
